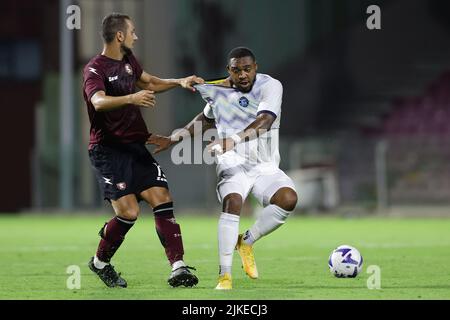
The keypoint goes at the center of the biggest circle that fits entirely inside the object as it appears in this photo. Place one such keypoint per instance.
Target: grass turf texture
(413, 255)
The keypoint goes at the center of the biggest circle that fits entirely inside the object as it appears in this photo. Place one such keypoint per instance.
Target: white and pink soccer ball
(345, 262)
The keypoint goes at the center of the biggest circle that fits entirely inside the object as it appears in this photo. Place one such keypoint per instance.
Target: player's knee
(130, 213)
(289, 200)
(164, 196)
(157, 196)
(286, 199)
(232, 203)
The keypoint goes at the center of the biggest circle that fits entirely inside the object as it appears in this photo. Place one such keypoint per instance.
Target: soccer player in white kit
(246, 110)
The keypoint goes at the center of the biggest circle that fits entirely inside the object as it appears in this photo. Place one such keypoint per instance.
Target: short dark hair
(113, 23)
(241, 52)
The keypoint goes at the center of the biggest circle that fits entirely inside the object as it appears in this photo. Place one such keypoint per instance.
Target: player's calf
(112, 235)
(169, 233)
(282, 203)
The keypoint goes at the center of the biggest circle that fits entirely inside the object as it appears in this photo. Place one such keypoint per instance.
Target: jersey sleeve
(93, 81)
(137, 68)
(272, 96)
(208, 112)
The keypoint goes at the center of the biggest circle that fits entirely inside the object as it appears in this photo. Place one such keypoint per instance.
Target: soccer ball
(345, 262)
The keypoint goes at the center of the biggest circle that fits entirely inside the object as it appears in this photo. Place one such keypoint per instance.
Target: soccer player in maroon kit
(125, 170)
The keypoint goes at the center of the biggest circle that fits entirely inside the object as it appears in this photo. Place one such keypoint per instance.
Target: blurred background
(365, 123)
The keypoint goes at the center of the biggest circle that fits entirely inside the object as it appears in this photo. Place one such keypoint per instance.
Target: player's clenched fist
(144, 98)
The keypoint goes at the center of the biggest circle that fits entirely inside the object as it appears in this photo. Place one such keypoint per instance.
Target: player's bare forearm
(158, 85)
(104, 103)
(191, 129)
(152, 83)
(261, 125)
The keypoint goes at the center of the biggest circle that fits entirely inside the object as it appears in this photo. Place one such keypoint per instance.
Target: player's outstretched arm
(261, 125)
(103, 103)
(152, 83)
(162, 142)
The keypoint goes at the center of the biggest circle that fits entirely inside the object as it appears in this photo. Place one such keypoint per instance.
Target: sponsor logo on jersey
(243, 102)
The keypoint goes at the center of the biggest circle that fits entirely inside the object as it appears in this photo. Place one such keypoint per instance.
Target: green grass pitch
(413, 254)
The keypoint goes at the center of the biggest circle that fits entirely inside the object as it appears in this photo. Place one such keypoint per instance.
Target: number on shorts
(161, 176)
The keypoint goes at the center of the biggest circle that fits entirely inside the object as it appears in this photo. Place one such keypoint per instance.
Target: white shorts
(262, 184)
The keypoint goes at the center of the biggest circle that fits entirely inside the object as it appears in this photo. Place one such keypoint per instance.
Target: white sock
(224, 269)
(99, 264)
(178, 264)
(228, 232)
(248, 237)
(270, 219)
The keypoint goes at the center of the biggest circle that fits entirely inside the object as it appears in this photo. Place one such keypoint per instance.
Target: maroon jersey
(115, 78)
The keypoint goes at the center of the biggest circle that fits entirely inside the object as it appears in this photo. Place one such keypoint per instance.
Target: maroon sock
(113, 233)
(169, 232)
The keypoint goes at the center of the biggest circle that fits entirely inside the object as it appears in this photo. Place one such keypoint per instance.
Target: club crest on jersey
(128, 69)
(121, 185)
(243, 102)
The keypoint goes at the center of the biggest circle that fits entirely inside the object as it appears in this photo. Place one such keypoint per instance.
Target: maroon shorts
(125, 169)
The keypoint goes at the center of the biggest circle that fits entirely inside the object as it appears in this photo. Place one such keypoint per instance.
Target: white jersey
(234, 111)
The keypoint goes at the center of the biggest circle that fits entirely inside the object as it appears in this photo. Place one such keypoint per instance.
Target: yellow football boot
(247, 257)
(224, 282)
